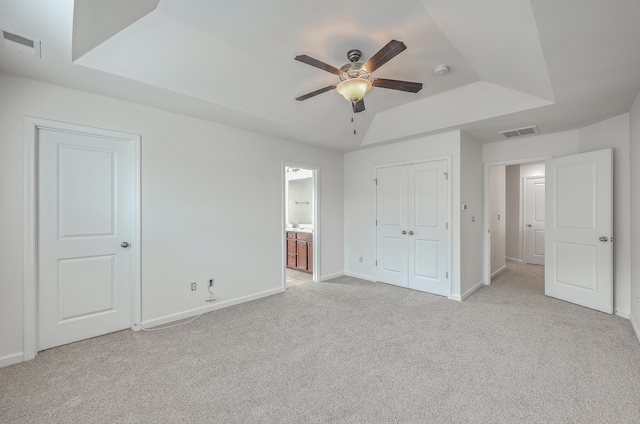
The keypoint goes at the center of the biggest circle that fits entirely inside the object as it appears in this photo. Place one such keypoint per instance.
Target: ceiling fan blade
(411, 87)
(318, 64)
(315, 93)
(385, 54)
(358, 106)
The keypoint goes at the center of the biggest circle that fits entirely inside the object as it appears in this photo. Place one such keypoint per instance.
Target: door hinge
(446, 226)
(376, 181)
(446, 175)
(447, 275)
(611, 239)
(376, 263)
(376, 222)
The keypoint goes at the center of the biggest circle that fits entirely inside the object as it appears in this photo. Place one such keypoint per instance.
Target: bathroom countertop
(299, 230)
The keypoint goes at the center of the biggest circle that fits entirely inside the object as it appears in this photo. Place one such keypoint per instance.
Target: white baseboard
(475, 287)
(623, 314)
(635, 327)
(498, 271)
(360, 276)
(520, 261)
(330, 276)
(14, 358)
(456, 297)
(215, 306)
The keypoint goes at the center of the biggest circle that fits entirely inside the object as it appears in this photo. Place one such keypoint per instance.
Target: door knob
(410, 233)
(404, 232)
(528, 225)
(603, 238)
(124, 244)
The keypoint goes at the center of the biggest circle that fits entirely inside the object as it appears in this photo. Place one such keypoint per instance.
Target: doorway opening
(515, 208)
(300, 233)
(578, 192)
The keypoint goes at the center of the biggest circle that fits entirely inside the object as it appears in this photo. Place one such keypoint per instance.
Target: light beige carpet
(348, 351)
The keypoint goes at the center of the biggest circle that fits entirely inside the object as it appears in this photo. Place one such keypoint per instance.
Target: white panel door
(412, 231)
(427, 227)
(391, 206)
(579, 259)
(534, 218)
(84, 214)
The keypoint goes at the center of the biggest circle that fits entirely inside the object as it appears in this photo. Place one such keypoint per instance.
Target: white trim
(635, 326)
(331, 276)
(498, 271)
(518, 261)
(475, 287)
(622, 314)
(360, 276)
(30, 339)
(11, 359)
(486, 273)
(315, 174)
(448, 159)
(196, 311)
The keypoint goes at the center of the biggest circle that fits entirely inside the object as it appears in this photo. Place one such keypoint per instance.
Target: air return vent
(520, 132)
(21, 44)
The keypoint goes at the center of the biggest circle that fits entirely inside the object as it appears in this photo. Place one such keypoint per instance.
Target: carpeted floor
(348, 351)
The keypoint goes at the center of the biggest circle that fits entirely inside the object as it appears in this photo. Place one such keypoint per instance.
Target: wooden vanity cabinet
(300, 251)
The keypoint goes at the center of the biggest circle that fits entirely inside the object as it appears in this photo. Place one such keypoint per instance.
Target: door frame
(523, 206)
(486, 272)
(30, 313)
(447, 158)
(315, 174)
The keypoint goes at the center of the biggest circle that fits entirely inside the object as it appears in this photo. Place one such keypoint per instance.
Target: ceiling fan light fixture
(354, 89)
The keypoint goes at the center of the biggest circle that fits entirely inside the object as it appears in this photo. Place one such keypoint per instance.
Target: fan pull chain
(353, 116)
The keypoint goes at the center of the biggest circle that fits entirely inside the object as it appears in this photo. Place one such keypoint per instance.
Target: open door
(579, 229)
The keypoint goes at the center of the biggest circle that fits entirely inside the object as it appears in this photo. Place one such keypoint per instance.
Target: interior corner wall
(497, 218)
(614, 133)
(634, 130)
(359, 197)
(471, 219)
(194, 224)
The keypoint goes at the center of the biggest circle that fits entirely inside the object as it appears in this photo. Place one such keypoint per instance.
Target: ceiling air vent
(21, 44)
(520, 132)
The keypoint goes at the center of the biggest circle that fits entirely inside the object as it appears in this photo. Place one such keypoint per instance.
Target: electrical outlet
(193, 286)
(211, 282)
(638, 300)
(360, 259)
(464, 273)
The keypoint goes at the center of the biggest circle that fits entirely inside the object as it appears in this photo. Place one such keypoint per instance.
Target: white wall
(634, 118)
(497, 217)
(194, 224)
(613, 133)
(556, 144)
(359, 214)
(472, 219)
(513, 233)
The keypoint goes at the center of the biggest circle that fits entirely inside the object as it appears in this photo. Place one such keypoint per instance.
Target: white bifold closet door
(412, 209)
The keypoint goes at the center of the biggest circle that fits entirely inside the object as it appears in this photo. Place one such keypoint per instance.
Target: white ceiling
(558, 64)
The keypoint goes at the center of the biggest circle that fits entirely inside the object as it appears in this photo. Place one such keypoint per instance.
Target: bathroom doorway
(300, 225)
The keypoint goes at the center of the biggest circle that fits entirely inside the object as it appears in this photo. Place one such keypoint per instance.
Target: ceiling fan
(356, 79)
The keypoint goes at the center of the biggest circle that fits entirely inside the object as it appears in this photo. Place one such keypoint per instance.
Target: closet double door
(412, 210)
